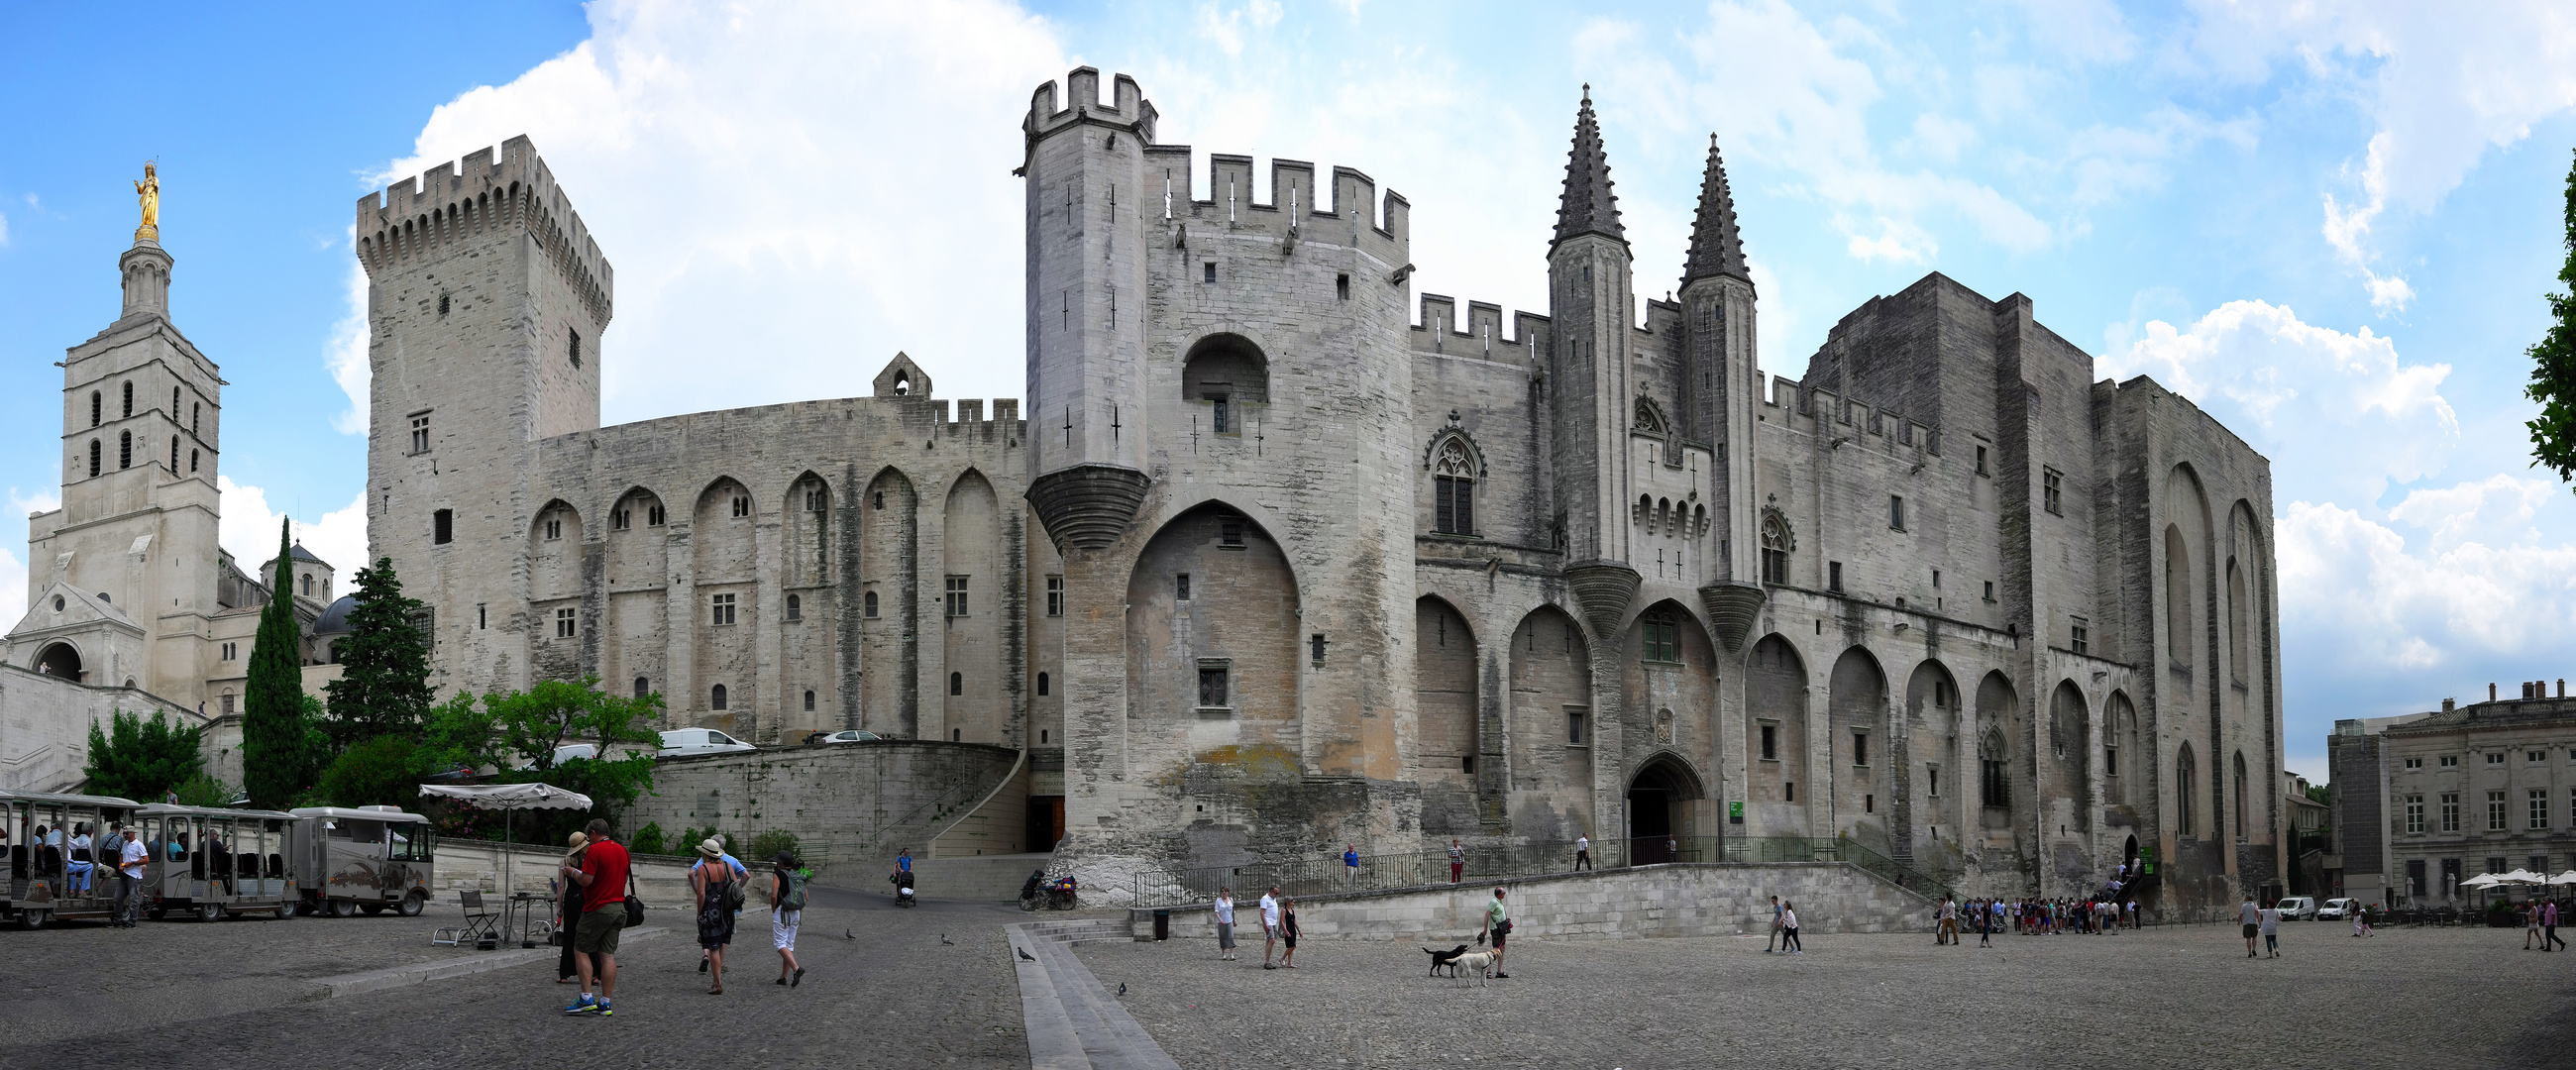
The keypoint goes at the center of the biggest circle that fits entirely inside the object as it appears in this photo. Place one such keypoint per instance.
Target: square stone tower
(486, 302)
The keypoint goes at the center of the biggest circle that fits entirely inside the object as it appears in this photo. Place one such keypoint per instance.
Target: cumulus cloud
(2342, 416)
(1226, 28)
(2440, 88)
(791, 192)
(249, 531)
(2359, 605)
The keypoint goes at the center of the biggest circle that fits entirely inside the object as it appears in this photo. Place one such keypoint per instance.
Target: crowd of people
(2030, 917)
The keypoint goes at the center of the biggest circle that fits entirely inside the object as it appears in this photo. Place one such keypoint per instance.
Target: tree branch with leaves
(2553, 364)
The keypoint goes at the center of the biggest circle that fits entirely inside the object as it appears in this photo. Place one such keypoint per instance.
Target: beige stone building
(132, 602)
(2423, 801)
(1282, 554)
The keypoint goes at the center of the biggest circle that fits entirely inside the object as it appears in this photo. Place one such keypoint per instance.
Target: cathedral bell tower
(1590, 302)
(1725, 385)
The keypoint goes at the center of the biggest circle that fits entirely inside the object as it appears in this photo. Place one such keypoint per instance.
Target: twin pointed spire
(1588, 207)
(1717, 247)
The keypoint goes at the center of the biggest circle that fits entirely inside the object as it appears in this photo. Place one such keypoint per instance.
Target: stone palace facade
(1282, 553)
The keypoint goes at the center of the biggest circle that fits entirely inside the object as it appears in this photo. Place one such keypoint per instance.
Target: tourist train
(209, 862)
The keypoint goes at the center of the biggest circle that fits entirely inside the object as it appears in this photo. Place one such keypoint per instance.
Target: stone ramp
(975, 878)
(1072, 1022)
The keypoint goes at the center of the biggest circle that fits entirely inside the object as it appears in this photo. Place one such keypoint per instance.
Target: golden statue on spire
(149, 191)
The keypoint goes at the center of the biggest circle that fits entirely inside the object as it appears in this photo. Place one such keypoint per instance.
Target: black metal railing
(1327, 874)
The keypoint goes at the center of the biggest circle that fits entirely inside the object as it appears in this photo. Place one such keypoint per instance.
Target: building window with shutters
(125, 449)
(1213, 689)
(93, 457)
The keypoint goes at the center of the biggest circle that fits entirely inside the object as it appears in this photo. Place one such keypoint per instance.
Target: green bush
(767, 845)
(688, 841)
(382, 771)
(648, 840)
(203, 790)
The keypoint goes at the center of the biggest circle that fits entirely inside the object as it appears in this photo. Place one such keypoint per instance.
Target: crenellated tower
(1086, 304)
(486, 300)
(1725, 384)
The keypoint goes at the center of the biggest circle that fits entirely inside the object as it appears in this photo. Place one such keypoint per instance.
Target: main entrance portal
(1659, 813)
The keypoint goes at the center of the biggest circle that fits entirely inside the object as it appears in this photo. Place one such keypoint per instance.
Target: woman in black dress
(714, 882)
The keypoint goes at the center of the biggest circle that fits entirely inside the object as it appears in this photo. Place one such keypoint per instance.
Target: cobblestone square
(2179, 996)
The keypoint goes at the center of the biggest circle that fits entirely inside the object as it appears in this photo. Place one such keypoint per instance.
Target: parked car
(2298, 908)
(849, 736)
(570, 751)
(2337, 909)
(680, 742)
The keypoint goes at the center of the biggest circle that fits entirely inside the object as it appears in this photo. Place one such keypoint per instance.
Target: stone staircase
(1073, 1023)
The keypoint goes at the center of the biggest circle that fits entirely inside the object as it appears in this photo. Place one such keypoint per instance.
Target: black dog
(1443, 958)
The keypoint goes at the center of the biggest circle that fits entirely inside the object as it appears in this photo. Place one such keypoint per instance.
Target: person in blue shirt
(1350, 867)
(903, 862)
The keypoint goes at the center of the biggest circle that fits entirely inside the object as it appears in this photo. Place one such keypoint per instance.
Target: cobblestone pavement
(2184, 996)
(237, 993)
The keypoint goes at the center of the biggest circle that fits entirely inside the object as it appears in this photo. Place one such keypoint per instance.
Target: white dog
(1480, 961)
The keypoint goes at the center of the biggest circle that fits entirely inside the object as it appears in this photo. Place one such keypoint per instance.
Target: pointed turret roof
(1589, 207)
(1717, 247)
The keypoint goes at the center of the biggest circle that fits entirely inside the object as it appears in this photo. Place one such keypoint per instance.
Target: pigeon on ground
(943, 938)
(1024, 954)
(1122, 988)
(848, 935)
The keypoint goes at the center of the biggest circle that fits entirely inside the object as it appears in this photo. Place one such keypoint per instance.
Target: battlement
(1295, 209)
(1130, 111)
(1816, 410)
(417, 218)
(1437, 330)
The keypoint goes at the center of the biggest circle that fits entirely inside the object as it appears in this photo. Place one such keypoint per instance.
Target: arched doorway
(59, 660)
(1659, 799)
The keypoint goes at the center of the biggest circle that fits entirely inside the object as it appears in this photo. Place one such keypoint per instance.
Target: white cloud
(347, 358)
(2498, 509)
(2361, 607)
(2442, 87)
(35, 501)
(4, 228)
(1897, 241)
(1226, 27)
(792, 192)
(249, 531)
(2341, 416)
(15, 577)
(2089, 30)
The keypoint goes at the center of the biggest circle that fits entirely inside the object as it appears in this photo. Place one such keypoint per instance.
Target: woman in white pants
(786, 912)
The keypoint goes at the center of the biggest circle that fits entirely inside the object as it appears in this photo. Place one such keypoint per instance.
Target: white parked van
(2298, 908)
(685, 741)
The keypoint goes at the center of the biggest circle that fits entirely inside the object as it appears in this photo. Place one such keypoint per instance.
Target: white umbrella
(2482, 880)
(2568, 877)
(2521, 876)
(509, 799)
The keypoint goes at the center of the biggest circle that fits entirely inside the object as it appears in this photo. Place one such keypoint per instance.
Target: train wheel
(31, 920)
(210, 912)
(285, 911)
(343, 908)
(413, 904)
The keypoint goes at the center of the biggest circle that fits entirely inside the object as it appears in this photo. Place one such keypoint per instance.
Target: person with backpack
(786, 910)
(716, 886)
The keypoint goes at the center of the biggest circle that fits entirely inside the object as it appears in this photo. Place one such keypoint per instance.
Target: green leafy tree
(386, 770)
(383, 687)
(518, 732)
(647, 840)
(139, 759)
(203, 790)
(277, 733)
(2553, 365)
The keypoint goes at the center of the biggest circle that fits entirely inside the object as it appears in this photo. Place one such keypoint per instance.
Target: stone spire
(1589, 207)
(1717, 247)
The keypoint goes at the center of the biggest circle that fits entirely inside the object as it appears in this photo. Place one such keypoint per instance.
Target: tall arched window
(1453, 490)
(870, 600)
(192, 460)
(1994, 785)
(1042, 685)
(129, 399)
(1775, 550)
(93, 408)
(93, 456)
(174, 454)
(1647, 418)
(718, 697)
(2185, 776)
(125, 449)
(2240, 806)
(2239, 648)
(956, 683)
(2177, 598)
(643, 687)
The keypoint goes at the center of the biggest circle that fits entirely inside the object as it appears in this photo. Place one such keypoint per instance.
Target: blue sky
(2330, 224)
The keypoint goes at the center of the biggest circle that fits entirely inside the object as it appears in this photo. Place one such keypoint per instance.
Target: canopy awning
(509, 796)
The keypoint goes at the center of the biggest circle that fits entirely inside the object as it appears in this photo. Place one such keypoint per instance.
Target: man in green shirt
(1498, 924)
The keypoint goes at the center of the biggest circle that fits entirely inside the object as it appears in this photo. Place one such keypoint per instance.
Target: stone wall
(846, 803)
(1719, 899)
(45, 721)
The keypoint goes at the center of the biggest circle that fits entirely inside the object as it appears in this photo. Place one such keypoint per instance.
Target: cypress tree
(2553, 365)
(383, 688)
(277, 763)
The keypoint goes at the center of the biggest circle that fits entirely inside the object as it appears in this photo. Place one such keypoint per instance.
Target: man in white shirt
(1583, 852)
(129, 880)
(2251, 917)
(2272, 930)
(1269, 926)
(1947, 931)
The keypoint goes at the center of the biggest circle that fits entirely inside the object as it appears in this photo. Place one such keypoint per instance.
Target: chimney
(2562, 687)
(2448, 705)
(2490, 692)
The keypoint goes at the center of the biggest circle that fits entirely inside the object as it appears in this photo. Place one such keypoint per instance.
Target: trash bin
(1162, 925)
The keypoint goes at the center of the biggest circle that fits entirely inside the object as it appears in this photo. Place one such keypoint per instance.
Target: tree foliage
(383, 687)
(2553, 365)
(139, 759)
(279, 759)
(518, 732)
(384, 771)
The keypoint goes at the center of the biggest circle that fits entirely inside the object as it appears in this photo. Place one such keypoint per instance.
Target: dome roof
(335, 618)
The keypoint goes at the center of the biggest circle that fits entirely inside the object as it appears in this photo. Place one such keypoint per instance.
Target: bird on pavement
(848, 935)
(1024, 954)
(1122, 988)
(943, 938)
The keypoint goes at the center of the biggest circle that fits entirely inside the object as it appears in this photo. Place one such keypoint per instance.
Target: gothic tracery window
(1775, 551)
(1453, 490)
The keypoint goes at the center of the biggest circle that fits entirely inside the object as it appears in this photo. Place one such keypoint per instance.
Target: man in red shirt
(601, 882)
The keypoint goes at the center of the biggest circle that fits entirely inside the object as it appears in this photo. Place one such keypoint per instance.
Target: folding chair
(481, 928)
